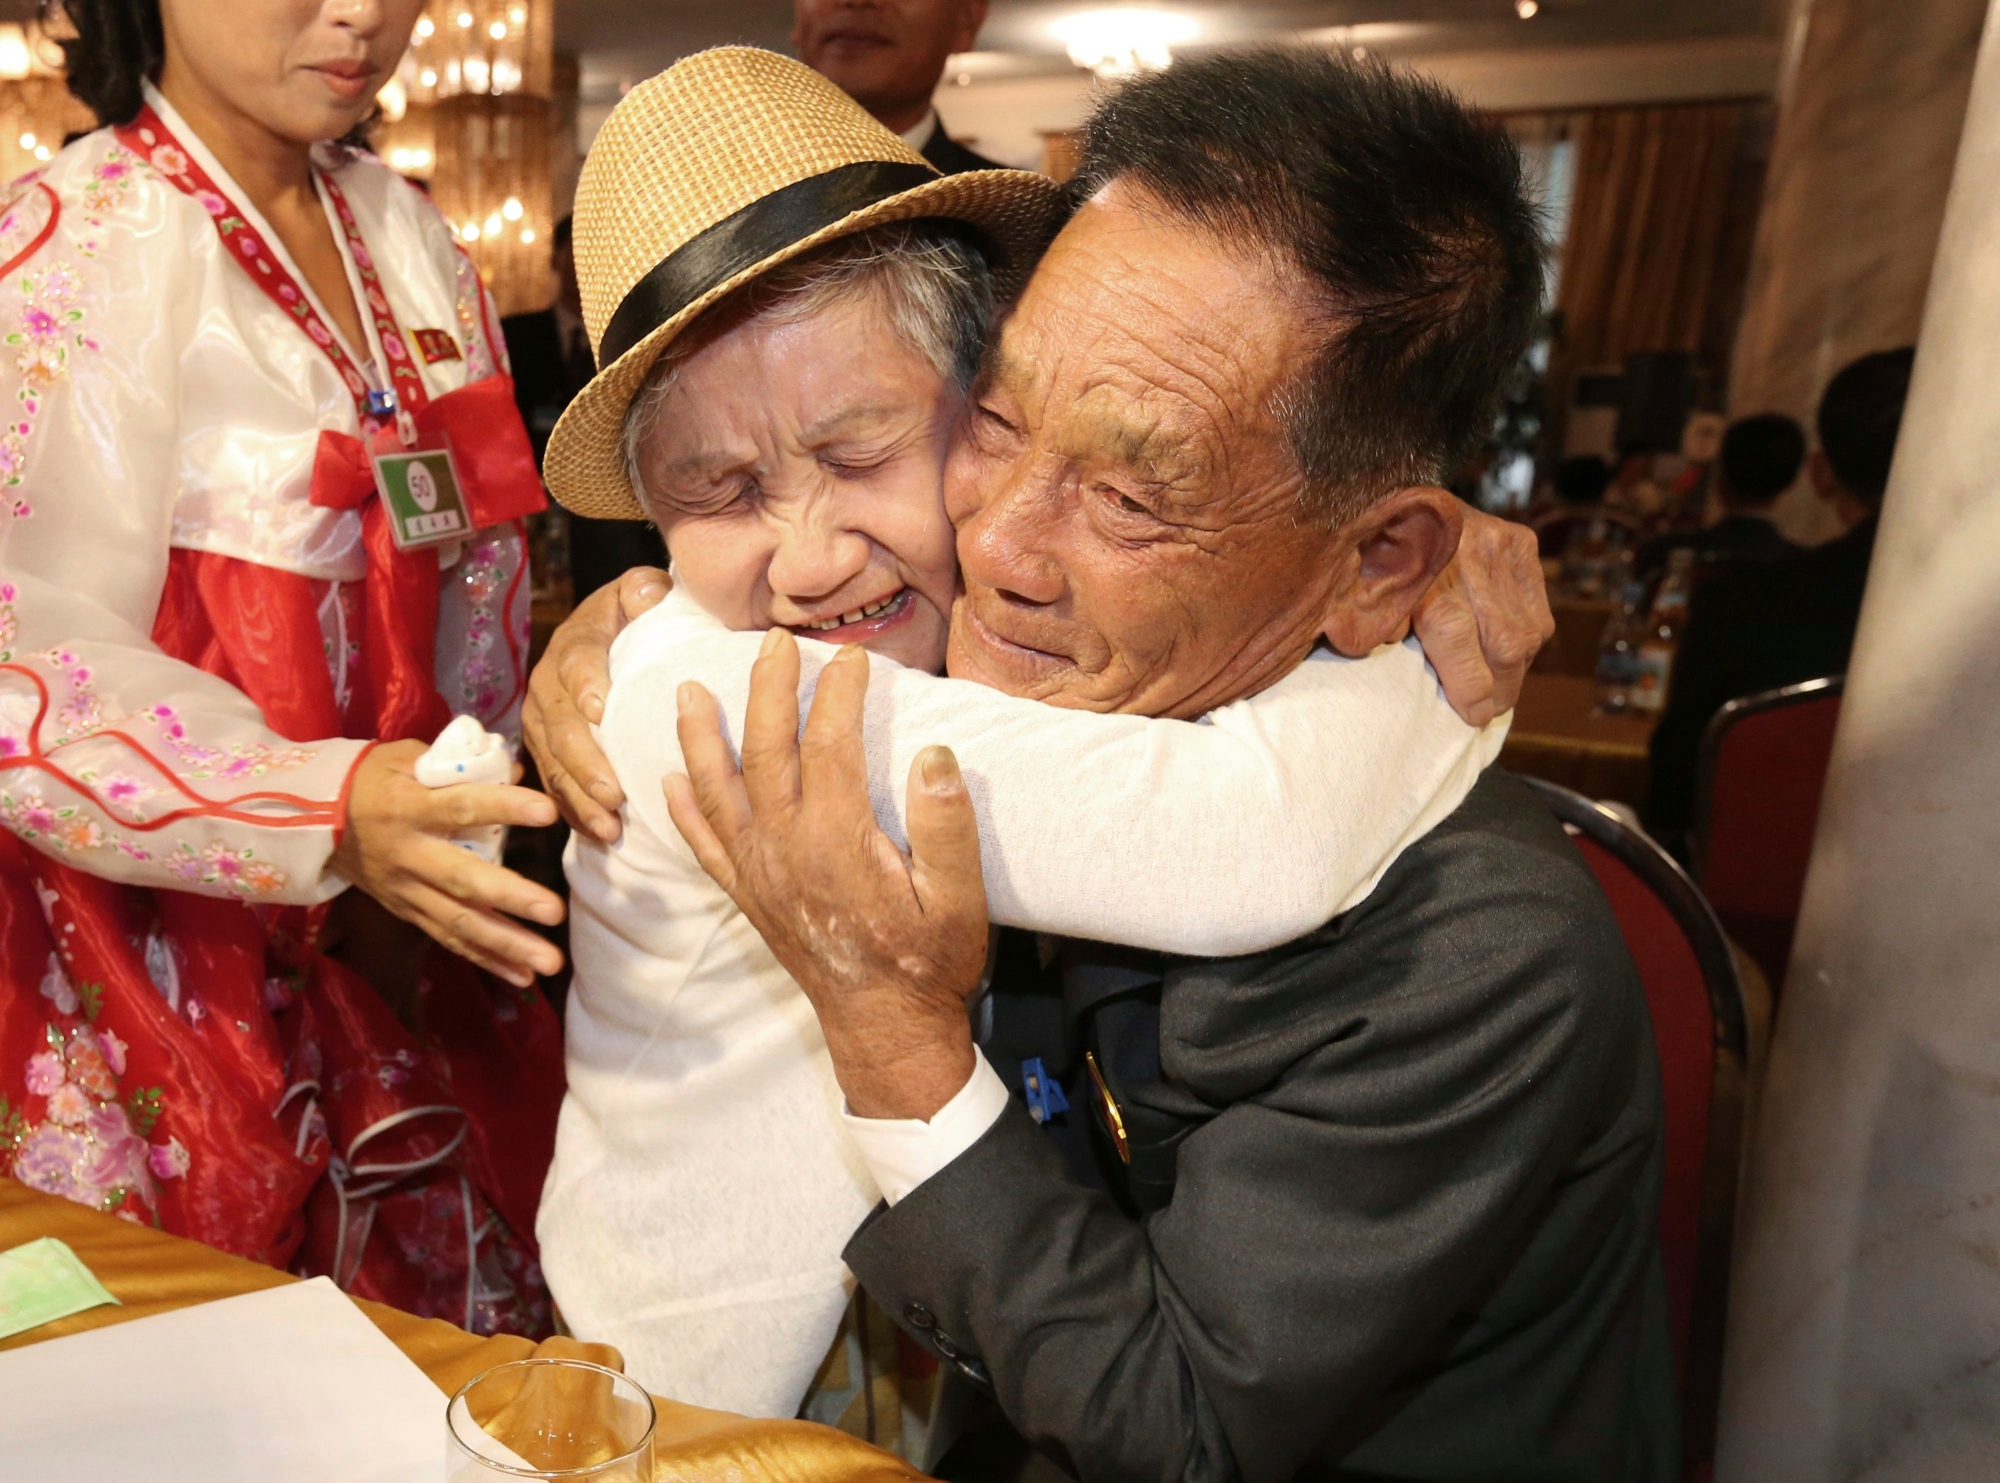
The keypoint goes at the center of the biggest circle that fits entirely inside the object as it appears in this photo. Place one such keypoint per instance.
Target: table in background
(1579, 629)
(1558, 737)
(151, 1273)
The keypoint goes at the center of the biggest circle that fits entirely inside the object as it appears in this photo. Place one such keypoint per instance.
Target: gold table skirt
(150, 1273)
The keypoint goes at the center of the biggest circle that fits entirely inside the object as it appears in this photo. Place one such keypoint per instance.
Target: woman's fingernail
(684, 697)
(652, 591)
(770, 644)
(939, 769)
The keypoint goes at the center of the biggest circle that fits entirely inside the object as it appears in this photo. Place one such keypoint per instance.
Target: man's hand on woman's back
(566, 698)
(1486, 617)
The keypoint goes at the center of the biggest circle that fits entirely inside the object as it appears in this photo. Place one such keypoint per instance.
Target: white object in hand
(466, 752)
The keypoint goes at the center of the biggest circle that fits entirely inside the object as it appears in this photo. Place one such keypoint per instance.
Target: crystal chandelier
(36, 109)
(1123, 42)
(492, 47)
(468, 112)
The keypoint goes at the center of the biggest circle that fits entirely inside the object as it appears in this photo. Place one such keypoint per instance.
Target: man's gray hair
(935, 284)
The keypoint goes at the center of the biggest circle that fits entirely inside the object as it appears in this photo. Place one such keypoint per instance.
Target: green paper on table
(44, 1281)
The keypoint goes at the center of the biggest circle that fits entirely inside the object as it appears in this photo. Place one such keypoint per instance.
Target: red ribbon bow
(497, 476)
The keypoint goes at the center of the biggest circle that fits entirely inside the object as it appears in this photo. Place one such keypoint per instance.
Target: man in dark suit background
(888, 55)
(1760, 457)
(550, 353)
(1761, 627)
(1379, 1203)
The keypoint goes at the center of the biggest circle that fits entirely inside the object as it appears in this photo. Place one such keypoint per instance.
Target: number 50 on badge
(420, 490)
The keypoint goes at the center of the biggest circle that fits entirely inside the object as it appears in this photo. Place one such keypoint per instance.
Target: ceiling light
(27, 141)
(425, 26)
(395, 102)
(498, 30)
(1526, 9)
(1123, 42)
(527, 235)
(428, 78)
(518, 14)
(41, 151)
(512, 209)
(465, 20)
(15, 63)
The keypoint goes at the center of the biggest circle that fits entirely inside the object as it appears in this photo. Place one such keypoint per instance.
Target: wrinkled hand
(566, 698)
(1486, 616)
(397, 847)
(888, 946)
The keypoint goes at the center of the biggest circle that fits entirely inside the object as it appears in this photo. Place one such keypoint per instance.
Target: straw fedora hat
(718, 169)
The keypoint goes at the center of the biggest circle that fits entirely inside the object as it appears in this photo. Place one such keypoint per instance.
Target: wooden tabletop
(1557, 735)
(151, 1273)
(1572, 648)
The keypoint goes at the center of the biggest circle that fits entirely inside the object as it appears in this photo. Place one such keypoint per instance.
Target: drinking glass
(550, 1419)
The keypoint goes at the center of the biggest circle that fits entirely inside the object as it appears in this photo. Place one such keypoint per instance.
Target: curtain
(1660, 223)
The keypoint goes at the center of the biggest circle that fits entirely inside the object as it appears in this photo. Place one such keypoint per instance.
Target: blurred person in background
(1633, 488)
(1762, 626)
(888, 55)
(1578, 489)
(222, 652)
(552, 362)
(1760, 458)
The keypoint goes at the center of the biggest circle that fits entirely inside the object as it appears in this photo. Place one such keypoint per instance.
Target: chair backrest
(1699, 1025)
(1757, 790)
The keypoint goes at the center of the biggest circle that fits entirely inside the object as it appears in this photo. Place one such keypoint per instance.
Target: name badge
(420, 491)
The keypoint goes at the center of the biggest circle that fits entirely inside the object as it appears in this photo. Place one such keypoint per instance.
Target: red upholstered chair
(1762, 770)
(1699, 1025)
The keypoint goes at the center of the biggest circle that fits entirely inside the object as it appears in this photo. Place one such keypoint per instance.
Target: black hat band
(740, 241)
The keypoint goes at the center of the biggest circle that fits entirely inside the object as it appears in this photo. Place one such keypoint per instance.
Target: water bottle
(1618, 651)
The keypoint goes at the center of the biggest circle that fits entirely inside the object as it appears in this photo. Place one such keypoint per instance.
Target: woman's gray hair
(936, 285)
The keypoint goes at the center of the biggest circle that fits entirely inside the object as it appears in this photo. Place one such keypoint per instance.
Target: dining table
(150, 1272)
(1572, 648)
(1559, 736)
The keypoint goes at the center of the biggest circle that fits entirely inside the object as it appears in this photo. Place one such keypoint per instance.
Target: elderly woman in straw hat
(788, 305)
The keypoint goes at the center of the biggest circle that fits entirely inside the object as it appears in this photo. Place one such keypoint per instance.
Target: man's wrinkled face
(1127, 507)
(794, 470)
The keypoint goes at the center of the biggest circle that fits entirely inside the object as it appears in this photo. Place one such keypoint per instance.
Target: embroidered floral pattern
(236, 870)
(66, 828)
(111, 181)
(484, 578)
(27, 219)
(471, 330)
(45, 332)
(89, 1144)
(81, 714)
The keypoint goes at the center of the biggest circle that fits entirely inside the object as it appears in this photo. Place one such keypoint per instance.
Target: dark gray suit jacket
(1389, 1212)
(949, 157)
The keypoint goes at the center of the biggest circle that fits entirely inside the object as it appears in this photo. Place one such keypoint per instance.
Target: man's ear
(1399, 546)
(971, 16)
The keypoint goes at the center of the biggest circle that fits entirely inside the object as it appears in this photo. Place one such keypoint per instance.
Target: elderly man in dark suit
(1380, 1203)
(887, 55)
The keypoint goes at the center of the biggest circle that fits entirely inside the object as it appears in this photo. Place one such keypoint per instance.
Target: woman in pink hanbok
(261, 482)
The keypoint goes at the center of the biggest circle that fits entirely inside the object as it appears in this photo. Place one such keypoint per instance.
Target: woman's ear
(1400, 544)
